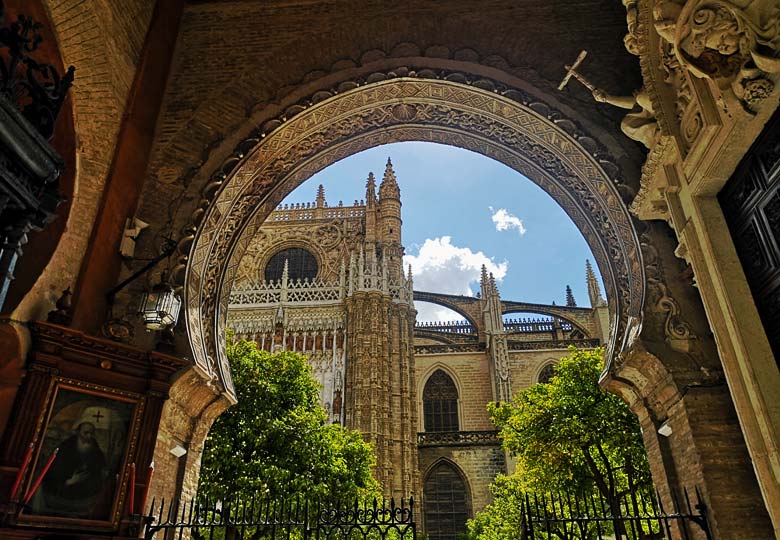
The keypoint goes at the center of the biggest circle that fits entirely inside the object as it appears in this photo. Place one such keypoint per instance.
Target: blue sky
(461, 209)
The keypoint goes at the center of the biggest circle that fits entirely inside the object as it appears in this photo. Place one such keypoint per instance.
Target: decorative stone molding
(707, 65)
(477, 114)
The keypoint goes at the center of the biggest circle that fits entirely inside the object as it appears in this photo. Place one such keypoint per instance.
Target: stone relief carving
(733, 42)
(677, 333)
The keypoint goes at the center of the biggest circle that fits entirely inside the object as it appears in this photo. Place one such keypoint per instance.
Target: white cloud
(505, 221)
(442, 267)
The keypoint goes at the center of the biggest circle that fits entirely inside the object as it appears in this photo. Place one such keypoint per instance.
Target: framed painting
(94, 431)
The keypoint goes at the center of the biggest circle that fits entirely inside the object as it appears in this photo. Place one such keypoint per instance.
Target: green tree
(275, 442)
(567, 436)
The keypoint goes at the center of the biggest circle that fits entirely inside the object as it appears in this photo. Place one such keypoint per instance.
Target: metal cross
(571, 71)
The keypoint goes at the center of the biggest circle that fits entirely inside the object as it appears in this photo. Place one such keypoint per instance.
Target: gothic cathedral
(328, 282)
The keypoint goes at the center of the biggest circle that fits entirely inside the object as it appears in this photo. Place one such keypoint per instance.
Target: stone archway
(480, 115)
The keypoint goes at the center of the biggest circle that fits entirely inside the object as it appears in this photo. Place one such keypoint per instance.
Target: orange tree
(567, 436)
(275, 441)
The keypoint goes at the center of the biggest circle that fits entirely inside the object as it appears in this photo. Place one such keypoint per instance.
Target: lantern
(160, 307)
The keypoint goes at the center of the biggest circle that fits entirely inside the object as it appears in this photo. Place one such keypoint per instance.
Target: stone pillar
(187, 416)
(670, 374)
(380, 384)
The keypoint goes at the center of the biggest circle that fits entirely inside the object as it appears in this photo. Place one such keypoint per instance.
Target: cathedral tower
(327, 281)
(390, 221)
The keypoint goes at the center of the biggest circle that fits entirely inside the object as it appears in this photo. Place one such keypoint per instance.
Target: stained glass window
(300, 264)
(440, 403)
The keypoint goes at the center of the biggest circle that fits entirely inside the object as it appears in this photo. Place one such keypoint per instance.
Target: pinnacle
(389, 186)
(484, 274)
(570, 302)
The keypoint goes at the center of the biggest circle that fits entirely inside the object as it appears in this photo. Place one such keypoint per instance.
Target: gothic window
(547, 373)
(300, 265)
(446, 503)
(440, 403)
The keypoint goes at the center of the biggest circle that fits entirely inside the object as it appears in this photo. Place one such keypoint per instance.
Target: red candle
(146, 488)
(131, 490)
(38, 481)
(22, 470)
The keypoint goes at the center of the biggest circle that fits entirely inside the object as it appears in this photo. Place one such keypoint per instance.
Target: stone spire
(321, 196)
(389, 189)
(483, 283)
(370, 191)
(594, 290)
(389, 223)
(570, 302)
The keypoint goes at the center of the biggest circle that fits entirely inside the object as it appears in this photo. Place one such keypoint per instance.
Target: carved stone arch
(543, 369)
(499, 122)
(433, 368)
(451, 463)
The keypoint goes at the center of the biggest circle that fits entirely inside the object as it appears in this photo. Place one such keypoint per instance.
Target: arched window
(440, 403)
(547, 373)
(446, 503)
(300, 265)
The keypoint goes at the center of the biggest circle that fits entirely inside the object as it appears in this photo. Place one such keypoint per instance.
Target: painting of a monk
(90, 433)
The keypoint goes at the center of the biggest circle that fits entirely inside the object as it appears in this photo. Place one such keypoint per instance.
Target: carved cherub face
(714, 30)
(725, 40)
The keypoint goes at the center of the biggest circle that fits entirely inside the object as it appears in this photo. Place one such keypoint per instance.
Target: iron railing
(458, 438)
(635, 516)
(280, 520)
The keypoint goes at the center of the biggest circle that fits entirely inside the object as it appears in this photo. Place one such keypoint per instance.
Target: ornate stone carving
(677, 332)
(503, 123)
(732, 42)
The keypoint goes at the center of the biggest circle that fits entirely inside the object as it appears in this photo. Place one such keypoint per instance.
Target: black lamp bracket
(168, 249)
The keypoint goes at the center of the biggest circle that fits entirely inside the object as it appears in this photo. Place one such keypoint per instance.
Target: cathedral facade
(328, 282)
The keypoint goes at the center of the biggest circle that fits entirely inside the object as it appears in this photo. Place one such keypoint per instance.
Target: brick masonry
(103, 40)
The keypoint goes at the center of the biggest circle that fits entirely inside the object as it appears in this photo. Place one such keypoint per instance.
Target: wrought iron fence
(264, 519)
(635, 516)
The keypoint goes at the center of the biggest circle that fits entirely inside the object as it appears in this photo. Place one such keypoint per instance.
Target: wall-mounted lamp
(159, 307)
(665, 429)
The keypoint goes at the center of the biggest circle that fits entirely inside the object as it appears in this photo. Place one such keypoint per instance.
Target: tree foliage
(567, 436)
(275, 442)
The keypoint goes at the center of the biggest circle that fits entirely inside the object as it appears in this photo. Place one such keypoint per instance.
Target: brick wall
(103, 40)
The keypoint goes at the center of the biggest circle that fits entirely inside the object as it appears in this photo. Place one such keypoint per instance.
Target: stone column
(670, 374)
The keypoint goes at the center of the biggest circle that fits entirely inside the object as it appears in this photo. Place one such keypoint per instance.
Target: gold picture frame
(95, 429)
